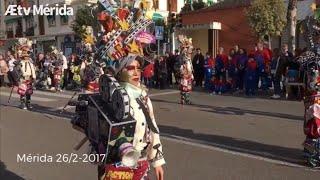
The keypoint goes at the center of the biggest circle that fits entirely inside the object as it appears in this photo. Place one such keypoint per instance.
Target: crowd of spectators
(235, 71)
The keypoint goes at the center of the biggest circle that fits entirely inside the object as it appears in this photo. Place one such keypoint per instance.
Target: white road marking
(225, 149)
(33, 98)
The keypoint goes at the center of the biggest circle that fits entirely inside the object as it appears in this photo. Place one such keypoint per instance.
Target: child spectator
(208, 66)
(242, 64)
(251, 76)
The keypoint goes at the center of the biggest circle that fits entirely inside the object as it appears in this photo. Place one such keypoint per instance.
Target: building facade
(45, 31)
(215, 27)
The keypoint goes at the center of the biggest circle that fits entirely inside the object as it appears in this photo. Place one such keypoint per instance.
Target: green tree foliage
(83, 18)
(266, 18)
(193, 6)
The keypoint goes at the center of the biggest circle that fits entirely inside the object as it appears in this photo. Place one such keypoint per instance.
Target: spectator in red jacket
(263, 59)
(147, 74)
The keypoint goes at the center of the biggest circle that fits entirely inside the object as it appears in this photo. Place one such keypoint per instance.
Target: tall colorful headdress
(125, 33)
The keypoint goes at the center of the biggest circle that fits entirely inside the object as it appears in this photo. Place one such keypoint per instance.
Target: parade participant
(145, 140)
(124, 51)
(309, 63)
(28, 76)
(186, 70)
(90, 73)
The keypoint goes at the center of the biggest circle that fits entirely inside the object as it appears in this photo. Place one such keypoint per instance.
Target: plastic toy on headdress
(122, 27)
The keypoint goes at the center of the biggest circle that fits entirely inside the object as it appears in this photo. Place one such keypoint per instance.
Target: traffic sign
(159, 32)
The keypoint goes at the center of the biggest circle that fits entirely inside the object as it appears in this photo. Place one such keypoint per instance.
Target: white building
(45, 31)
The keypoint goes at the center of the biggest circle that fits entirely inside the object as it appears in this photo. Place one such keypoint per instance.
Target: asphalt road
(218, 137)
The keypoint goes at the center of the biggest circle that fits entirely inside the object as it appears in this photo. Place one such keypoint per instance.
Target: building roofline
(221, 6)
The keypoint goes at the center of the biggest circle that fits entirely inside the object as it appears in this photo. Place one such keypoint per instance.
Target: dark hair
(140, 60)
(276, 52)
(244, 50)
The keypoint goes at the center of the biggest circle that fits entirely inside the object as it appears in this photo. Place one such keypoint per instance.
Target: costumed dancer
(125, 40)
(186, 69)
(90, 71)
(27, 75)
(59, 63)
(146, 138)
(128, 67)
(310, 62)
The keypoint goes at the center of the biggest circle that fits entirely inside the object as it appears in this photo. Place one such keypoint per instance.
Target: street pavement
(217, 137)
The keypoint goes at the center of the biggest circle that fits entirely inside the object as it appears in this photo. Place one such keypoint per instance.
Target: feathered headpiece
(184, 41)
(24, 46)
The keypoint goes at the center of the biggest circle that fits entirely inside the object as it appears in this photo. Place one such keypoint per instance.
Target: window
(64, 20)
(19, 30)
(51, 20)
(29, 26)
(29, 22)
(9, 30)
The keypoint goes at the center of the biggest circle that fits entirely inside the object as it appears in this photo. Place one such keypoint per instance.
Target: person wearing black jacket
(280, 68)
(198, 64)
(163, 72)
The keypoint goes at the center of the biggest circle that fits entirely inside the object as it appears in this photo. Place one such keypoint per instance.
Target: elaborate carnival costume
(27, 73)
(310, 62)
(57, 68)
(186, 70)
(119, 120)
(90, 72)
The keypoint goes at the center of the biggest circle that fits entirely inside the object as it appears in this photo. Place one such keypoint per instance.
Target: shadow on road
(46, 111)
(234, 144)
(237, 111)
(8, 175)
